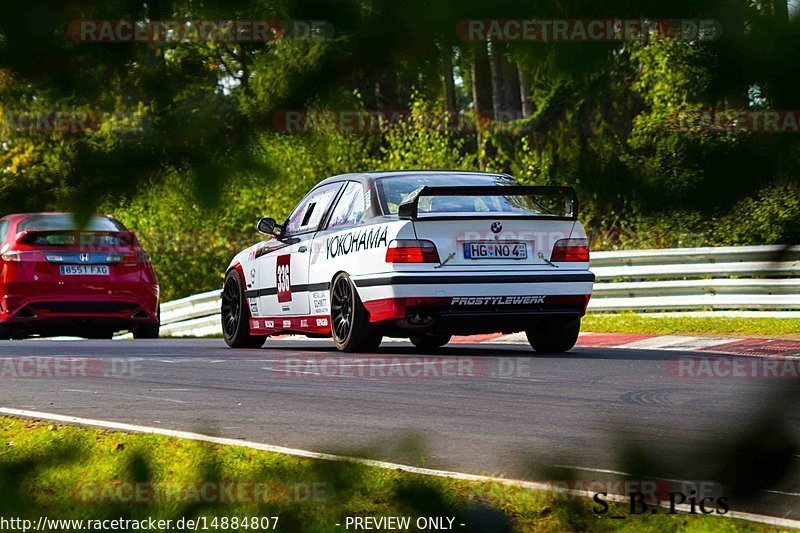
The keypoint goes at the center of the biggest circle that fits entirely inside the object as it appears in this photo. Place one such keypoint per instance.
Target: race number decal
(283, 277)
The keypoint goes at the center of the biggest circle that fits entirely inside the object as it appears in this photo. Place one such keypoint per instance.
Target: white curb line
(778, 522)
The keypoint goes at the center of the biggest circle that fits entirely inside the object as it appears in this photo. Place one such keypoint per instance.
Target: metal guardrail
(692, 279)
(197, 316)
(748, 279)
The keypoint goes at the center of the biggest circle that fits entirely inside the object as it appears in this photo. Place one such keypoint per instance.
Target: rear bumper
(114, 303)
(489, 300)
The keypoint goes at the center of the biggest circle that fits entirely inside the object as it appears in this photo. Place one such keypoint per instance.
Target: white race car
(421, 255)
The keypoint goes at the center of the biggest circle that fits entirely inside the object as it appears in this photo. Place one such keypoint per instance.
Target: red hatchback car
(59, 279)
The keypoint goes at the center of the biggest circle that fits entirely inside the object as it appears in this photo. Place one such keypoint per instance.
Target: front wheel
(350, 325)
(236, 315)
(554, 335)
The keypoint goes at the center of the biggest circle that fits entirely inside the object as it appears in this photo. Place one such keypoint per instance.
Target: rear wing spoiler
(86, 237)
(409, 208)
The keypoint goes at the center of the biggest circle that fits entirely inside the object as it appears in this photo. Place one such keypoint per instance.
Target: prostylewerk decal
(497, 300)
(356, 241)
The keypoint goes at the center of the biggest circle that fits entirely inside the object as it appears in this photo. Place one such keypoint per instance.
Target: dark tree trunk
(525, 93)
(780, 8)
(496, 67)
(449, 84)
(386, 91)
(481, 81)
(481, 94)
(512, 101)
(505, 85)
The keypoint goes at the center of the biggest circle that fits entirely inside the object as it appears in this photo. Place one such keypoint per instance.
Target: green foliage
(424, 141)
(770, 217)
(187, 243)
(634, 230)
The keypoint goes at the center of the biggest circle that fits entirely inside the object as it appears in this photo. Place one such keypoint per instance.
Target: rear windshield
(394, 189)
(66, 223)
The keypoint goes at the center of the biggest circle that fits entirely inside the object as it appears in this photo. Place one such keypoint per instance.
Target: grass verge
(661, 325)
(67, 472)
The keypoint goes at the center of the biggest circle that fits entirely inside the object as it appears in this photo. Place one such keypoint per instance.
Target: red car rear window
(67, 222)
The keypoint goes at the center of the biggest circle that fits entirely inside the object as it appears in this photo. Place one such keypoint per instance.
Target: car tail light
(129, 257)
(411, 251)
(17, 257)
(570, 251)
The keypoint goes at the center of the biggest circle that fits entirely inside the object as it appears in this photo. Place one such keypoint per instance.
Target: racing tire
(236, 315)
(554, 335)
(147, 331)
(430, 341)
(350, 327)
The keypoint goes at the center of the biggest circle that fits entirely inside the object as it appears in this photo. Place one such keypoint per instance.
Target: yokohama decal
(284, 278)
(356, 241)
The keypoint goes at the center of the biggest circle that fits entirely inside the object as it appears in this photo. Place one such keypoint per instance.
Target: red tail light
(17, 257)
(129, 257)
(411, 251)
(570, 251)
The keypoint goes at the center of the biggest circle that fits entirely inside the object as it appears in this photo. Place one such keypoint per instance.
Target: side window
(350, 209)
(307, 215)
(3, 229)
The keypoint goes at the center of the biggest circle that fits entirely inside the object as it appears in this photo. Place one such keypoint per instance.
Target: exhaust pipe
(26, 312)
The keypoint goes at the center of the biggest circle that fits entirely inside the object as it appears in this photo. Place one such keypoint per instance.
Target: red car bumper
(39, 306)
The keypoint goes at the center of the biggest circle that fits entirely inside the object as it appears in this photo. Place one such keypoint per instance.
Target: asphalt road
(500, 410)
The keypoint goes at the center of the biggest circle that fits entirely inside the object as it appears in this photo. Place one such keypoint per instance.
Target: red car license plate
(85, 270)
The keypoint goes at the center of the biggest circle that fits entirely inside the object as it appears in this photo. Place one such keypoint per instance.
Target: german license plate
(495, 250)
(85, 270)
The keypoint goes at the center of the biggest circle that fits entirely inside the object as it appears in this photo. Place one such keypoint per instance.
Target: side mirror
(268, 226)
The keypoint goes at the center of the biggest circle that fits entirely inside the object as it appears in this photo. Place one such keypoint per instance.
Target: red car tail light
(17, 257)
(411, 251)
(570, 251)
(129, 257)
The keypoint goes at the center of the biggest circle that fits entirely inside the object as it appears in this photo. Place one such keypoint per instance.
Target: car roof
(45, 213)
(370, 176)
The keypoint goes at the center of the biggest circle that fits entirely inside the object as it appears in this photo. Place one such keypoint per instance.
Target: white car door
(346, 216)
(283, 273)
